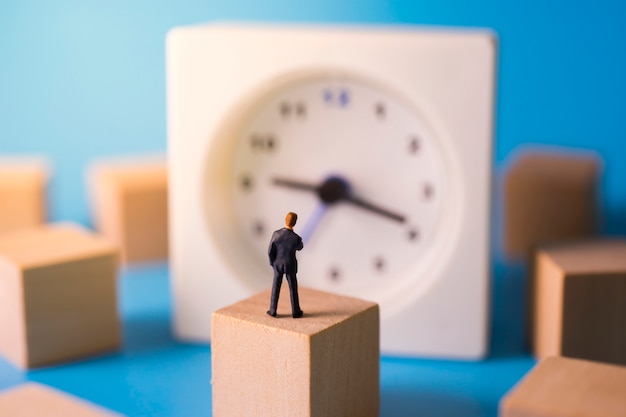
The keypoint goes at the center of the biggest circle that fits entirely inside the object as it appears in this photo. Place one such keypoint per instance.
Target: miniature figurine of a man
(282, 253)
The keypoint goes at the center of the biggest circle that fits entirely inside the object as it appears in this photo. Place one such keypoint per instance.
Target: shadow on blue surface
(424, 403)
(145, 305)
(509, 310)
(147, 334)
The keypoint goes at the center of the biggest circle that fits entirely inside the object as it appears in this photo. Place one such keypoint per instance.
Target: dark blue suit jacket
(282, 250)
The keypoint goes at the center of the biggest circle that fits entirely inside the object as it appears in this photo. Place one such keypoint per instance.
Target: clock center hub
(333, 190)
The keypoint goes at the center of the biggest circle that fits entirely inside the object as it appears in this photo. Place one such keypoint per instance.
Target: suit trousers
(279, 271)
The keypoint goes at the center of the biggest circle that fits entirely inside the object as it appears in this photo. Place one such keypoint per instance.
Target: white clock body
(265, 120)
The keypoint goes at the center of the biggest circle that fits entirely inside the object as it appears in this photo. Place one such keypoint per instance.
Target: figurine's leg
(278, 281)
(293, 290)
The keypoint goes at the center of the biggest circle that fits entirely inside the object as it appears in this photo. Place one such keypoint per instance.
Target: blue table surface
(156, 375)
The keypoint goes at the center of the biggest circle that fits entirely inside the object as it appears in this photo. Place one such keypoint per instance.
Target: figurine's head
(290, 220)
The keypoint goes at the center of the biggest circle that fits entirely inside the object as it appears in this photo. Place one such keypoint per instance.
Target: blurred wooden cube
(562, 387)
(58, 298)
(579, 301)
(22, 193)
(130, 207)
(36, 400)
(549, 197)
(323, 364)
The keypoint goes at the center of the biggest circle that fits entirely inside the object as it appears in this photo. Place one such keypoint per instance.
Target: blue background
(80, 80)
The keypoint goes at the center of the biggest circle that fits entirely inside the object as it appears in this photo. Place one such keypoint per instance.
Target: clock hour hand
(335, 189)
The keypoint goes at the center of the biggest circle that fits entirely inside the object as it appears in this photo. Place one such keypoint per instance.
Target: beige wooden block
(130, 206)
(22, 193)
(563, 387)
(35, 400)
(323, 364)
(58, 298)
(549, 197)
(579, 301)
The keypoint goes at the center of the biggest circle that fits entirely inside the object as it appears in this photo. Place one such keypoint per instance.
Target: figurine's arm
(271, 252)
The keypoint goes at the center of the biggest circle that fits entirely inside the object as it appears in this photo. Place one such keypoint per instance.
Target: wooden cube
(563, 387)
(323, 364)
(549, 197)
(579, 301)
(22, 194)
(58, 298)
(130, 207)
(36, 400)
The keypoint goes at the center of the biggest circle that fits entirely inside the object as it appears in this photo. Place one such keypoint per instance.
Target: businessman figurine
(282, 253)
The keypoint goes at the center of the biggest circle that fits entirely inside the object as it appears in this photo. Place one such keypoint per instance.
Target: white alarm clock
(379, 138)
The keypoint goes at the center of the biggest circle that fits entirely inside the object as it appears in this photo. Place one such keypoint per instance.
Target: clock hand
(295, 184)
(313, 222)
(319, 213)
(375, 209)
(335, 189)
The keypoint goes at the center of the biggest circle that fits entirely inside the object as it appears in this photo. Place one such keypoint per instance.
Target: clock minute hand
(295, 184)
(335, 189)
(375, 209)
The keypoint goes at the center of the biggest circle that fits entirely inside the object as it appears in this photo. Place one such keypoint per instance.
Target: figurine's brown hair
(291, 219)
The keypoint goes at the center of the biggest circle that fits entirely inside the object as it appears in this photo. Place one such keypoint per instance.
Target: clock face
(362, 169)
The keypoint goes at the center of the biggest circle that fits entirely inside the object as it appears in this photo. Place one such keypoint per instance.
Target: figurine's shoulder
(280, 233)
(285, 233)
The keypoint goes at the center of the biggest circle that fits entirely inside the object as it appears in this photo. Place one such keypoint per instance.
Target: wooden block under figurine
(58, 298)
(579, 301)
(325, 363)
(549, 197)
(563, 387)
(36, 400)
(129, 201)
(22, 193)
